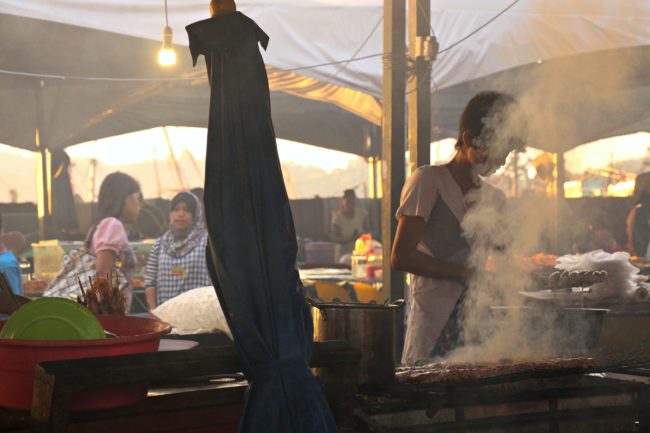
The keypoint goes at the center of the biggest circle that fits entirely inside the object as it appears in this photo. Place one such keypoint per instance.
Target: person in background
(64, 212)
(9, 266)
(638, 220)
(118, 203)
(177, 262)
(349, 222)
(430, 243)
(198, 192)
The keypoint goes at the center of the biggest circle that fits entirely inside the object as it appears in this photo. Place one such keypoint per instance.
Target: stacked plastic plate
(52, 319)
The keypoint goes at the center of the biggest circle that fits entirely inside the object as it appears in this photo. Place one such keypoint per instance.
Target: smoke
(500, 233)
(566, 102)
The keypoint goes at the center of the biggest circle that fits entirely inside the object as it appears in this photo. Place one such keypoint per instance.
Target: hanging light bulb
(167, 55)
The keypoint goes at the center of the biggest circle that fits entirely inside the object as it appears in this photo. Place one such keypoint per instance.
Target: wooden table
(196, 408)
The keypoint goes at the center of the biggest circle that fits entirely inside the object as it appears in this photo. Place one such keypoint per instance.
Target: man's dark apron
(444, 239)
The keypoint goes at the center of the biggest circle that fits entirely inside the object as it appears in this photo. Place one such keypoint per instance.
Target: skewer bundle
(103, 296)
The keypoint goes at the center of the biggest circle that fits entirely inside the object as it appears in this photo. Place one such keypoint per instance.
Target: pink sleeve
(110, 235)
(419, 194)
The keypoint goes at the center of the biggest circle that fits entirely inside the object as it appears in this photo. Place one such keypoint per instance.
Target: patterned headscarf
(179, 247)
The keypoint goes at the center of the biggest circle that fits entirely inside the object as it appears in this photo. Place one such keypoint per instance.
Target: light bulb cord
(166, 18)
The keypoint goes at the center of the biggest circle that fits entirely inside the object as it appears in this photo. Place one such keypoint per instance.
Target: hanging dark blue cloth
(253, 248)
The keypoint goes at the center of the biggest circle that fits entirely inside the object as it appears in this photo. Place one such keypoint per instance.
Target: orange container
(18, 360)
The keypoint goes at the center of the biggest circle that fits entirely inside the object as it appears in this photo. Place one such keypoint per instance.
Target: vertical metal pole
(559, 200)
(515, 173)
(419, 86)
(561, 175)
(393, 134)
(393, 148)
(42, 145)
(92, 180)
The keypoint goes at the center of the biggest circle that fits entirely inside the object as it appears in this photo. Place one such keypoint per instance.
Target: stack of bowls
(50, 329)
(53, 319)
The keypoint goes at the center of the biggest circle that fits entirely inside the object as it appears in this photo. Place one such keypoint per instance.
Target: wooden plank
(91, 373)
(50, 403)
(57, 381)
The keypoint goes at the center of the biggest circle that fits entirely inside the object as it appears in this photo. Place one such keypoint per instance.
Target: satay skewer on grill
(567, 279)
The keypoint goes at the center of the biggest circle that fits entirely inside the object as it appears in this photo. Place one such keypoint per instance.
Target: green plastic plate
(53, 319)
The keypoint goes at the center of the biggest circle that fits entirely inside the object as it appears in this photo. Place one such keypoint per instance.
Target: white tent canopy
(307, 32)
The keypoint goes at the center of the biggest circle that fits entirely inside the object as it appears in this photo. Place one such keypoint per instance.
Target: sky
(145, 155)
(144, 145)
(311, 170)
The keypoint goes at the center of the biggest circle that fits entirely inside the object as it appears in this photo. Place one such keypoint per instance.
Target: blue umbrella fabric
(252, 251)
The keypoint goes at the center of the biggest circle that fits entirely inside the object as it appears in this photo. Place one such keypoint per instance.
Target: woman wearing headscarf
(176, 262)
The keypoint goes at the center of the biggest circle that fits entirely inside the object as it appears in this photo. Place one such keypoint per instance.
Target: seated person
(177, 261)
(638, 220)
(9, 266)
(348, 223)
(106, 248)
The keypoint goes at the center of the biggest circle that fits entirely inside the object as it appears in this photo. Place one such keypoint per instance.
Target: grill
(534, 401)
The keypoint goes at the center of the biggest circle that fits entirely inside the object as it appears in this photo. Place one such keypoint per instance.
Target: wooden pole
(419, 85)
(515, 173)
(393, 149)
(220, 7)
(393, 136)
(174, 162)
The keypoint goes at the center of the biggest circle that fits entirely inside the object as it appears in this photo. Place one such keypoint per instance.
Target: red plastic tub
(18, 360)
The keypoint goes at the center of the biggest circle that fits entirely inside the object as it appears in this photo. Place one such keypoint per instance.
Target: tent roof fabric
(308, 32)
(120, 39)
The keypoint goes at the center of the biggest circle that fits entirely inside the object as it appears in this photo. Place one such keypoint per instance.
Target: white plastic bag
(194, 312)
(622, 277)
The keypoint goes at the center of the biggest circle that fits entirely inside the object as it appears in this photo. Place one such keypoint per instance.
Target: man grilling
(429, 243)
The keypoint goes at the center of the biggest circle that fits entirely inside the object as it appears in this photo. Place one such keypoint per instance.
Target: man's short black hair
(349, 193)
(481, 107)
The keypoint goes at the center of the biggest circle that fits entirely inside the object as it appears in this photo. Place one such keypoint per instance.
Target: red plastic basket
(18, 360)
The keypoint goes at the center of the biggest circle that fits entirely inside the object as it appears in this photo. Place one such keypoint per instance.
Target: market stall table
(198, 390)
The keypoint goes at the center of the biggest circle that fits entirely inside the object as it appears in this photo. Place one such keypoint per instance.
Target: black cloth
(252, 251)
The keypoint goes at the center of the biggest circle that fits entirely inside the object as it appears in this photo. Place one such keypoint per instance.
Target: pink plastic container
(18, 360)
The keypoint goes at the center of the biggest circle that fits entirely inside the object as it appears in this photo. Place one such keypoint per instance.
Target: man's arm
(407, 258)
